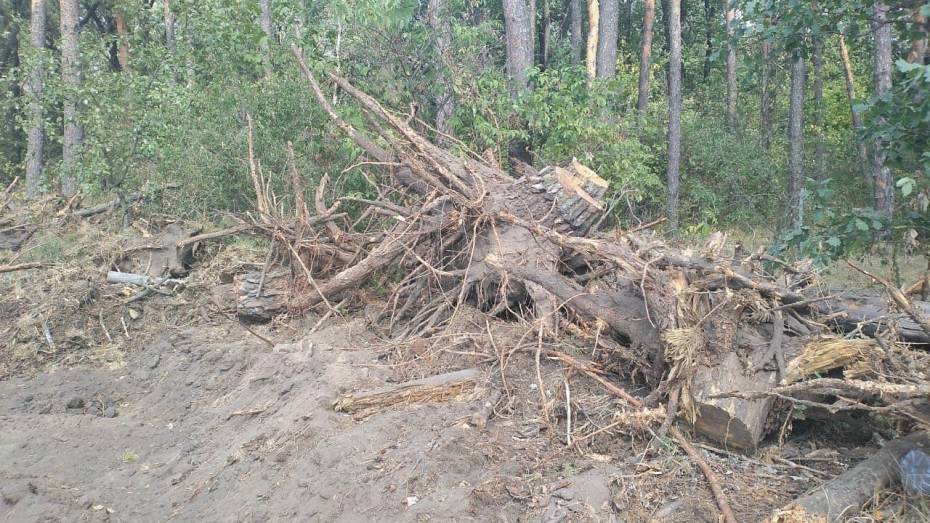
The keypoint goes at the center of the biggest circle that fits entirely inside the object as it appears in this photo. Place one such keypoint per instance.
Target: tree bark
(265, 21)
(594, 29)
(796, 142)
(607, 39)
(820, 151)
(546, 36)
(122, 34)
(73, 138)
(576, 31)
(438, 18)
(519, 44)
(730, 15)
(861, 146)
(35, 145)
(674, 112)
(645, 59)
(170, 39)
(882, 182)
(765, 118)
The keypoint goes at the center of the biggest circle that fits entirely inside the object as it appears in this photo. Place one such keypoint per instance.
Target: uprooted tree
(721, 338)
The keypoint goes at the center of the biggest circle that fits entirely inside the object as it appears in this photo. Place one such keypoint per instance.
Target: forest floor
(167, 409)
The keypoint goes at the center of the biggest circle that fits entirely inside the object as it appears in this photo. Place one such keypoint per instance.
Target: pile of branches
(725, 339)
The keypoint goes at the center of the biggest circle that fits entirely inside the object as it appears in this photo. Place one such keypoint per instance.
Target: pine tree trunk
(881, 78)
(674, 113)
(170, 40)
(645, 60)
(796, 142)
(731, 67)
(122, 33)
(576, 31)
(607, 39)
(861, 146)
(265, 21)
(765, 102)
(708, 37)
(546, 36)
(519, 44)
(594, 28)
(73, 138)
(820, 151)
(438, 19)
(35, 145)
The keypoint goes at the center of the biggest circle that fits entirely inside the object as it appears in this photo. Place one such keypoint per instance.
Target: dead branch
(20, 267)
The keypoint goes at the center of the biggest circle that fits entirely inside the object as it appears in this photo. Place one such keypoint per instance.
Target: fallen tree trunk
(434, 388)
(871, 314)
(847, 493)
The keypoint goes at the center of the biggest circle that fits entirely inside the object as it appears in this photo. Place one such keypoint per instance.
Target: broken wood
(255, 307)
(20, 267)
(109, 206)
(141, 280)
(213, 235)
(712, 481)
(436, 388)
(845, 494)
(822, 355)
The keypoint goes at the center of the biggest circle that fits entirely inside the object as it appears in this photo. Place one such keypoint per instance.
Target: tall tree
(265, 21)
(730, 17)
(546, 35)
(861, 146)
(35, 145)
(170, 39)
(708, 37)
(122, 34)
(882, 182)
(73, 139)
(438, 19)
(765, 102)
(645, 58)
(594, 16)
(607, 39)
(673, 174)
(796, 141)
(576, 30)
(519, 44)
(820, 150)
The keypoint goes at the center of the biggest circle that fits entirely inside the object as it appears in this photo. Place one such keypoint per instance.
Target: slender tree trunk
(546, 34)
(861, 146)
(122, 33)
(533, 33)
(881, 77)
(796, 143)
(918, 52)
(645, 59)
(73, 139)
(438, 19)
(820, 151)
(519, 44)
(765, 120)
(594, 14)
(35, 145)
(730, 16)
(673, 174)
(265, 21)
(708, 37)
(576, 31)
(170, 40)
(607, 39)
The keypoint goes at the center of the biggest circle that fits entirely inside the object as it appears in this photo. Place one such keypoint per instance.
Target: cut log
(441, 387)
(850, 311)
(845, 494)
(260, 297)
(161, 255)
(141, 280)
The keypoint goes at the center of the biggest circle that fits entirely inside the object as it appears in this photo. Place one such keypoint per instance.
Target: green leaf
(861, 224)
(833, 241)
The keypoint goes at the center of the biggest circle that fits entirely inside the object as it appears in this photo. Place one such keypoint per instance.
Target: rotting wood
(822, 355)
(252, 307)
(436, 388)
(845, 494)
